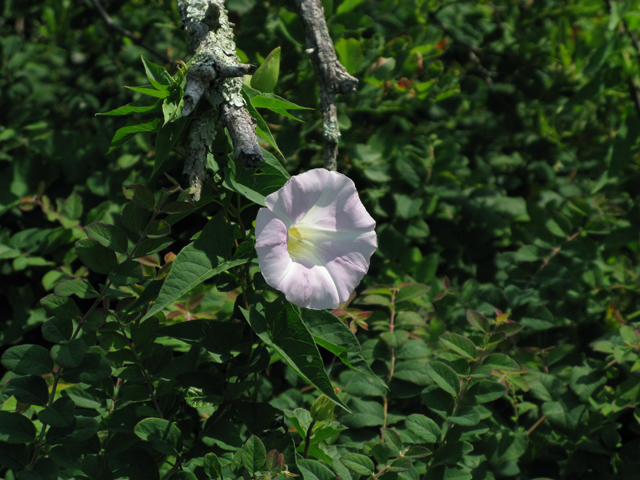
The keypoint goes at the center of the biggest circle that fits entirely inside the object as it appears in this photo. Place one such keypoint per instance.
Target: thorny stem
(462, 394)
(140, 365)
(393, 356)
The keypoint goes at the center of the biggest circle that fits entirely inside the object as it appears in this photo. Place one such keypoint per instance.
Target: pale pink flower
(315, 239)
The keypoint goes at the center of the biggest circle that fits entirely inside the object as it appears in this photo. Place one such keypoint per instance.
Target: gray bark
(216, 75)
(332, 76)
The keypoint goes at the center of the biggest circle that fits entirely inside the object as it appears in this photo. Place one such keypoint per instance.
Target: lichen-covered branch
(201, 135)
(216, 74)
(332, 76)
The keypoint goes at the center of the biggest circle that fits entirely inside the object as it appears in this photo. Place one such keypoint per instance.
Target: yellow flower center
(295, 245)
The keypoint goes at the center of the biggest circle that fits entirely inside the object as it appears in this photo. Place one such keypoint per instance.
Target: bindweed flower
(315, 239)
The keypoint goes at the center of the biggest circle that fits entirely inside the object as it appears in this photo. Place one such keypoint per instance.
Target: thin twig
(546, 261)
(332, 76)
(126, 33)
(536, 425)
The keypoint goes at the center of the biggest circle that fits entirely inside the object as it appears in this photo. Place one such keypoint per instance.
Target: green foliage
(496, 146)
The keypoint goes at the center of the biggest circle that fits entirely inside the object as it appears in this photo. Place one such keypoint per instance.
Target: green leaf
(347, 6)
(262, 128)
(62, 307)
(27, 360)
(444, 376)
(265, 78)
(163, 435)
(198, 262)
(466, 416)
(451, 453)
(93, 369)
(57, 330)
(157, 75)
(108, 235)
(358, 463)
(77, 286)
(140, 195)
(331, 333)
(395, 339)
(70, 354)
(478, 320)
(59, 414)
(134, 218)
(253, 454)
(152, 245)
(392, 439)
(558, 224)
(599, 57)
(15, 456)
(509, 328)
(271, 101)
(459, 344)
(410, 291)
(350, 54)
(133, 127)
(501, 362)
(30, 390)
(150, 91)
(177, 207)
(16, 428)
(483, 391)
(83, 429)
(313, 470)
(279, 325)
(158, 229)
(166, 139)
(96, 257)
(127, 273)
(131, 109)
(423, 427)
(417, 452)
(212, 466)
(447, 472)
(400, 465)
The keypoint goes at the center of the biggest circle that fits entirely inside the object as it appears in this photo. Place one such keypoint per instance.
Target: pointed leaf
(96, 257)
(478, 320)
(140, 195)
(78, 287)
(254, 454)
(198, 262)
(265, 78)
(444, 376)
(69, 354)
(358, 463)
(280, 326)
(108, 235)
(459, 344)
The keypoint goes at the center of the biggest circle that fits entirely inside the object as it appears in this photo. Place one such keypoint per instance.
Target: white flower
(315, 239)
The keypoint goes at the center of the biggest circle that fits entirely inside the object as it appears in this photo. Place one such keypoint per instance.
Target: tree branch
(126, 33)
(332, 76)
(215, 74)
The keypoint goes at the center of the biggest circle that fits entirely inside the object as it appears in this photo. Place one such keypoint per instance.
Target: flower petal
(271, 245)
(309, 287)
(294, 200)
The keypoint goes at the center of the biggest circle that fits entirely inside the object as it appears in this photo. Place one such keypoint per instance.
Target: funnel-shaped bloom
(315, 239)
